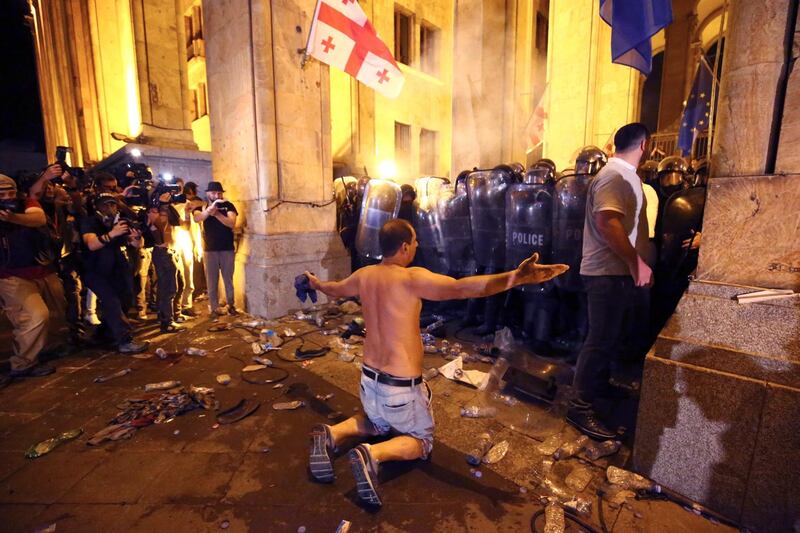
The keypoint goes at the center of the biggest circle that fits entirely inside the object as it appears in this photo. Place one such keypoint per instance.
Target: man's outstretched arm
(335, 289)
(430, 286)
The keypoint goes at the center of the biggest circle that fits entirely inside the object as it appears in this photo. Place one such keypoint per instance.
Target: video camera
(61, 159)
(136, 221)
(139, 176)
(176, 194)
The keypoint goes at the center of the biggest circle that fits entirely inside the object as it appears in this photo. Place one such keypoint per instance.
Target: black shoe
(588, 423)
(233, 311)
(4, 381)
(213, 316)
(189, 312)
(171, 327)
(180, 319)
(366, 473)
(319, 456)
(132, 347)
(35, 371)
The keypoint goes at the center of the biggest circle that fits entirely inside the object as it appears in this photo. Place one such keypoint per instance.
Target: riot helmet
(590, 160)
(699, 172)
(672, 172)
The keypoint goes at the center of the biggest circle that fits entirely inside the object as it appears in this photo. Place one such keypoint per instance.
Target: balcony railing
(666, 144)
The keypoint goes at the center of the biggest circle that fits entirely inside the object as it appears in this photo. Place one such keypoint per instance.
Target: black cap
(214, 186)
(105, 198)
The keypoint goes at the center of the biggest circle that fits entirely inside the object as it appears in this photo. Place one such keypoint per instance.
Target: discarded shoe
(365, 472)
(319, 457)
(239, 411)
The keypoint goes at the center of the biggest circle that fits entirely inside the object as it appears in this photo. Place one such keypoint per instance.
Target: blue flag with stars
(697, 108)
(633, 23)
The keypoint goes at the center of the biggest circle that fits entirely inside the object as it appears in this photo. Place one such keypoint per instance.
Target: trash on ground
(349, 307)
(289, 332)
(254, 324)
(301, 529)
(262, 361)
(565, 497)
(191, 350)
(454, 370)
(253, 368)
(504, 340)
(571, 448)
(277, 386)
(161, 353)
(484, 443)
(617, 496)
(224, 524)
(288, 406)
(306, 364)
(579, 478)
(554, 518)
(550, 444)
(477, 474)
(430, 373)
(496, 453)
(334, 415)
(270, 339)
(176, 432)
(136, 413)
(344, 527)
(475, 411)
(630, 480)
(223, 379)
(494, 379)
(324, 397)
(504, 398)
(163, 385)
(143, 355)
(596, 450)
(241, 410)
(47, 446)
(223, 348)
(103, 379)
(50, 528)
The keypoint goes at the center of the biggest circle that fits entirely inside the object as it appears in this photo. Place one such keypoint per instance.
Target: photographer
(218, 219)
(161, 218)
(107, 271)
(30, 291)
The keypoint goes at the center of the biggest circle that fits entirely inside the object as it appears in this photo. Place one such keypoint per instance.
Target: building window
(194, 109)
(402, 146)
(403, 26)
(199, 101)
(541, 33)
(429, 38)
(193, 26)
(427, 152)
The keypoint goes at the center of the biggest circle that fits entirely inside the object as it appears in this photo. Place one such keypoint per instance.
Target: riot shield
(529, 225)
(381, 204)
(487, 211)
(431, 249)
(569, 214)
(345, 193)
(682, 218)
(453, 227)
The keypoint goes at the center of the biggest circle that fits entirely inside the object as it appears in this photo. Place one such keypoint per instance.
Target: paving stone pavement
(187, 475)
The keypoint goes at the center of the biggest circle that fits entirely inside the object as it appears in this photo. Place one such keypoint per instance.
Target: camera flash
(135, 152)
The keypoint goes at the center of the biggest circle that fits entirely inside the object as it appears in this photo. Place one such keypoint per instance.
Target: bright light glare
(387, 169)
(135, 152)
(167, 176)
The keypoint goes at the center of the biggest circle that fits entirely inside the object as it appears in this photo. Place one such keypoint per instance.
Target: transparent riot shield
(682, 218)
(381, 204)
(569, 214)
(529, 225)
(487, 209)
(453, 227)
(431, 251)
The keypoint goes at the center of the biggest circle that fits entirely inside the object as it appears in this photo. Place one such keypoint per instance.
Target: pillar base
(167, 137)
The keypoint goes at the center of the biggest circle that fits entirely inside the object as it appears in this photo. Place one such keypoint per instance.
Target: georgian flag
(341, 36)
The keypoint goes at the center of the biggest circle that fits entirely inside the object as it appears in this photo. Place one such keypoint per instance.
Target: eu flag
(633, 23)
(697, 108)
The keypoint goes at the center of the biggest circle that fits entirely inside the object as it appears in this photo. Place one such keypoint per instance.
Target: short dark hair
(629, 136)
(101, 175)
(190, 186)
(393, 234)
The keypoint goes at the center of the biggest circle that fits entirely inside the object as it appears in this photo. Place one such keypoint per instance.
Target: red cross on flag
(341, 36)
(534, 129)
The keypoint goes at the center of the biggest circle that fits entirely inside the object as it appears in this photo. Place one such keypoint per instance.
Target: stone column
(162, 86)
(270, 138)
(720, 402)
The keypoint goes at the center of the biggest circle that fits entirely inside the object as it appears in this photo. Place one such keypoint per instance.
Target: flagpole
(304, 60)
(715, 81)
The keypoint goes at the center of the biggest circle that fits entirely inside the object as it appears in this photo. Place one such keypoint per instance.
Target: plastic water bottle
(196, 351)
(430, 373)
(161, 353)
(554, 518)
(270, 339)
(630, 480)
(475, 411)
(570, 449)
(597, 450)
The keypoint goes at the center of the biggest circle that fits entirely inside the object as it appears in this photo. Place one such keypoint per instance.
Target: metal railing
(666, 144)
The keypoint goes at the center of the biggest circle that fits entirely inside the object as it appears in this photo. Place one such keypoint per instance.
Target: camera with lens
(137, 220)
(12, 205)
(140, 177)
(176, 194)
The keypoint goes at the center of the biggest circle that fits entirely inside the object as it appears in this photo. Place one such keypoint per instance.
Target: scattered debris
(454, 370)
(504, 398)
(289, 332)
(277, 386)
(50, 528)
(324, 397)
(196, 351)
(47, 446)
(301, 529)
(262, 360)
(566, 498)
(349, 307)
(223, 348)
(579, 478)
(288, 406)
(161, 353)
(306, 364)
(176, 432)
(225, 524)
(595, 450)
(215, 426)
(571, 448)
(554, 518)
(163, 385)
(142, 356)
(430, 373)
(550, 445)
(103, 379)
(485, 441)
(497, 453)
(253, 368)
(239, 411)
(630, 480)
(223, 379)
(344, 527)
(475, 411)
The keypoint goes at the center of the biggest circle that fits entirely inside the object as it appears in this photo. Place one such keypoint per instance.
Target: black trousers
(609, 298)
(114, 291)
(166, 266)
(69, 270)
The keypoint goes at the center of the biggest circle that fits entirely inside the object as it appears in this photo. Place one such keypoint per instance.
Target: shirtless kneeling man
(393, 393)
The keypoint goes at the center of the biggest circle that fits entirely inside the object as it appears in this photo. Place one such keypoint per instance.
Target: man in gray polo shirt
(615, 237)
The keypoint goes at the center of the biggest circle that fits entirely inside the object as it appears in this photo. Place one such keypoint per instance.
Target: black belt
(386, 379)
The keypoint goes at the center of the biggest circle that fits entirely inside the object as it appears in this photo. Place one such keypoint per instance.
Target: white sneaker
(91, 319)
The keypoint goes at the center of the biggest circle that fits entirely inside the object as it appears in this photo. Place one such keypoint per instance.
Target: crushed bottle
(579, 478)
(161, 353)
(496, 453)
(430, 373)
(103, 379)
(484, 443)
(163, 385)
(550, 444)
(571, 448)
(289, 332)
(630, 480)
(262, 361)
(288, 406)
(46, 446)
(196, 351)
(596, 450)
(554, 518)
(494, 381)
(269, 339)
(254, 324)
(475, 411)
(504, 398)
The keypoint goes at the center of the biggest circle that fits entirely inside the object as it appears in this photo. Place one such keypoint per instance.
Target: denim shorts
(405, 410)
